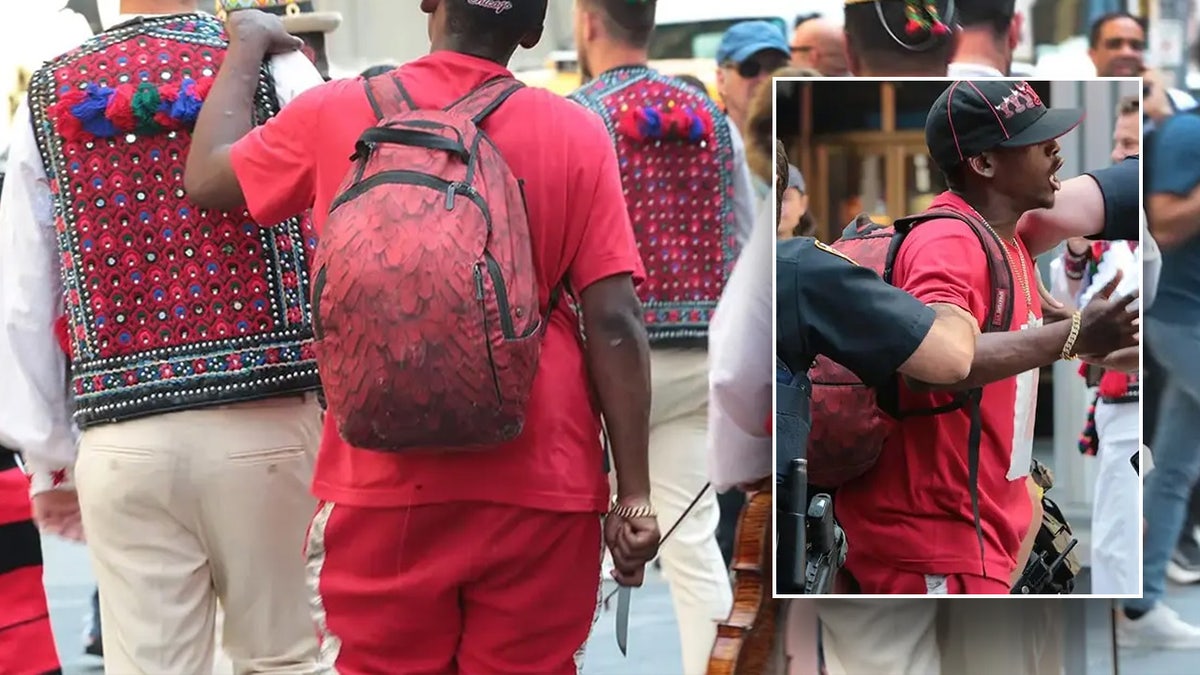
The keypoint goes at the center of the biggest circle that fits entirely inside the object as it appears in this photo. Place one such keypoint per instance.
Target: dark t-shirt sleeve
(849, 314)
(1119, 185)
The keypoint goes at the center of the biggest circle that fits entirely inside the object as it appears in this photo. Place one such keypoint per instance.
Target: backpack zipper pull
(451, 189)
(478, 282)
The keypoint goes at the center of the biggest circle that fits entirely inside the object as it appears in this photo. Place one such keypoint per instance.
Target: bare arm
(1105, 325)
(1078, 211)
(1174, 219)
(946, 353)
(618, 357)
(228, 112)
(227, 115)
(1003, 355)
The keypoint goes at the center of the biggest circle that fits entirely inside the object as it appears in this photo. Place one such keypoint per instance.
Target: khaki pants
(923, 637)
(184, 510)
(691, 560)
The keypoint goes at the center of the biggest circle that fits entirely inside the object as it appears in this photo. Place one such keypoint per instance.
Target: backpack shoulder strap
(484, 99)
(387, 95)
(1000, 317)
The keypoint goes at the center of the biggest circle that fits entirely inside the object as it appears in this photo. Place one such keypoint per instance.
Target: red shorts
(875, 580)
(26, 639)
(443, 589)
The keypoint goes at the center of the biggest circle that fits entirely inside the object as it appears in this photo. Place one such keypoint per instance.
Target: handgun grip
(821, 526)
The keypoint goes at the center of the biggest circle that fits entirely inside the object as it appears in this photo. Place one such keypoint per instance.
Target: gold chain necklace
(1020, 259)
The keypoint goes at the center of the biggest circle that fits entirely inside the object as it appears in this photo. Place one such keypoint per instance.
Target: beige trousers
(923, 637)
(691, 560)
(186, 510)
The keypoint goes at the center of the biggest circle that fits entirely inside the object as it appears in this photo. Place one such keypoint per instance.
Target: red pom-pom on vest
(1114, 384)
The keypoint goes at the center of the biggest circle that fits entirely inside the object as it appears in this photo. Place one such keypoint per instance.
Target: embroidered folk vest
(676, 158)
(168, 306)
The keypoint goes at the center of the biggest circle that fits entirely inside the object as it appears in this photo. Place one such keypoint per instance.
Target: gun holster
(1052, 565)
(826, 552)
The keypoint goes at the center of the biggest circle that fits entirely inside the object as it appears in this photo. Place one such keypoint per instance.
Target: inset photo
(958, 274)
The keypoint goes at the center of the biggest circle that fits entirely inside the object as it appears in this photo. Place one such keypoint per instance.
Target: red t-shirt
(912, 511)
(580, 229)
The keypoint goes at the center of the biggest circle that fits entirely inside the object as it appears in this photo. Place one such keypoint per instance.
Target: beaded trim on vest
(169, 306)
(678, 176)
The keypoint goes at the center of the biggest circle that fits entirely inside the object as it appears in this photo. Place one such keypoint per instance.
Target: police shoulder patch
(833, 251)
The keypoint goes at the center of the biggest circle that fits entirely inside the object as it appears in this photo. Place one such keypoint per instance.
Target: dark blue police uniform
(1122, 199)
(827, 305)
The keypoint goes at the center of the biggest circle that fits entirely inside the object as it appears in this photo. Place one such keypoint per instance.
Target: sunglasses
(752, 68)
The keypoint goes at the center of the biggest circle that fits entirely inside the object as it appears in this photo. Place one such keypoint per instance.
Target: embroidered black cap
(973, 116)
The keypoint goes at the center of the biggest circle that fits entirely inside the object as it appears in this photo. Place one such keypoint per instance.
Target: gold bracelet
(643, 511)
(1068, 350)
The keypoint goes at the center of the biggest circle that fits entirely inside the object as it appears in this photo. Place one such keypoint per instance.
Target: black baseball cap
(973, 116)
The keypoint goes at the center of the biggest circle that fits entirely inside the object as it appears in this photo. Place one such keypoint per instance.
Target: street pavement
(653, 637)
(1186, 601)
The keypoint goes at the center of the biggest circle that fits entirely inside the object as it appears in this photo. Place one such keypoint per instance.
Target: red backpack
(425, 301)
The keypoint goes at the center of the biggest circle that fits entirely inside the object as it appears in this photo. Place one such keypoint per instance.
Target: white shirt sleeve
(743, 189)
(294, 74)
(1058, 280)
(35, 417)
(1118, 257)
(740, 365)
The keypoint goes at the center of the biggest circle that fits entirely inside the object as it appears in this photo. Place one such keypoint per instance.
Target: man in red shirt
(485, 561)
(910, 520)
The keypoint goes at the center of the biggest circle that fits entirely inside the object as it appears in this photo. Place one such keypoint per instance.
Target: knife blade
(623, 595)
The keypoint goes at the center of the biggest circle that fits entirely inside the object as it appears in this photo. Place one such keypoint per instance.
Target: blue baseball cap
(748, 38)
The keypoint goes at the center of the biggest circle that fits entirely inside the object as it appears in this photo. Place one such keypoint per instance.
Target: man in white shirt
(186, 337)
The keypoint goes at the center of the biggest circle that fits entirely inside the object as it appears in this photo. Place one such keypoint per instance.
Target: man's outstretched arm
(1105, 325)
(873, 328)
(1100, 204)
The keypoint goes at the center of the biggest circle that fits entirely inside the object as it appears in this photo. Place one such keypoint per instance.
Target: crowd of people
(218, 265)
